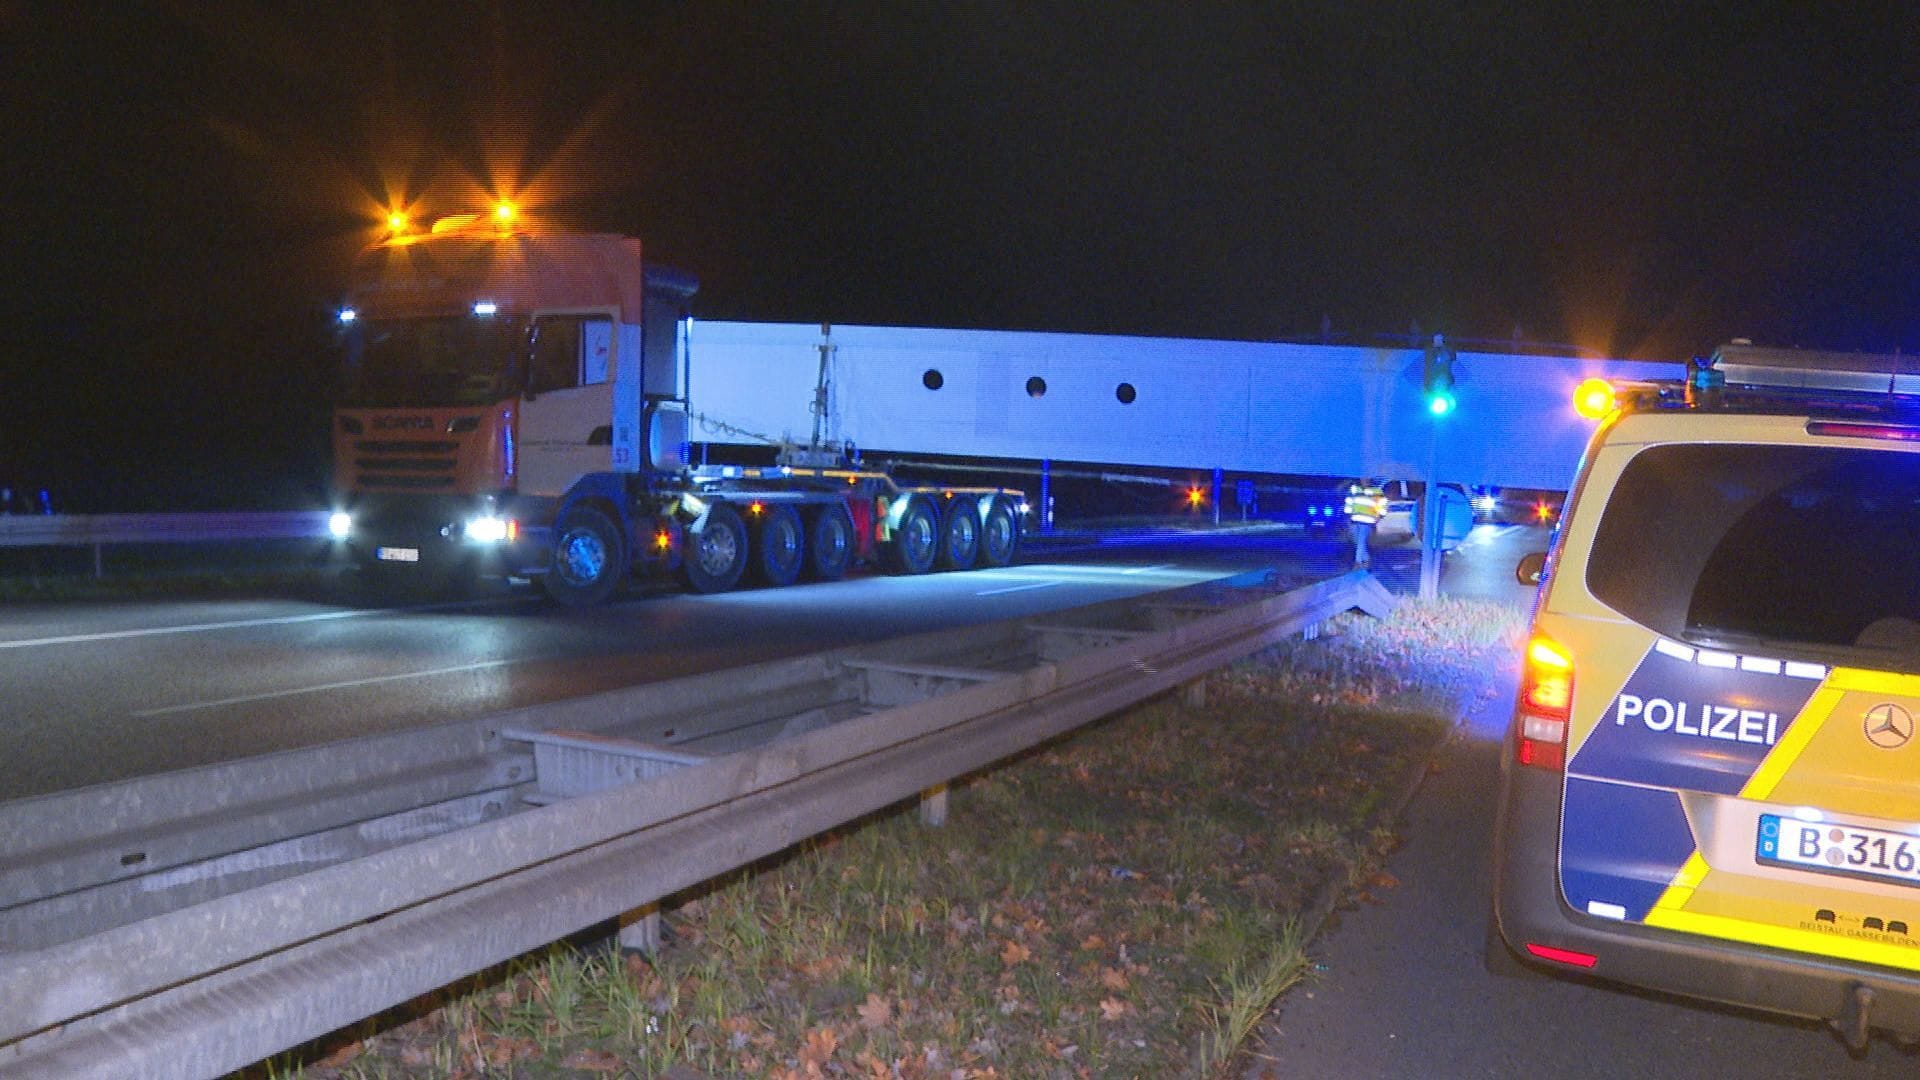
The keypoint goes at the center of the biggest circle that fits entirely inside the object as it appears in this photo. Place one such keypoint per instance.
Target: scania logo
(1888, 726)
(402, 423)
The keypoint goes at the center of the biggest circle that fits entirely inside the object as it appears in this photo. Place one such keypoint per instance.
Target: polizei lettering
(1702, 720)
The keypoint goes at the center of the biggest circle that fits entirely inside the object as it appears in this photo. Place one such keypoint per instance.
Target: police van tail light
(1546, 704)
(1562, 956)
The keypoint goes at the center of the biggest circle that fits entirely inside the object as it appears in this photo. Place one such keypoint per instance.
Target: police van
(1711, 785)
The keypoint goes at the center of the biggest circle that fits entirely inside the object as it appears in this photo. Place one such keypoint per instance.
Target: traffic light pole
(1429, 520)
(1436, 394)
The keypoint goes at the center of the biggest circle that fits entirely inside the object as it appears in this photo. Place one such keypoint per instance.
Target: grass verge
(1127, 901)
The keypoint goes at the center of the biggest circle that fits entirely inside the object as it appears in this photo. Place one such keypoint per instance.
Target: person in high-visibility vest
(1366, 505)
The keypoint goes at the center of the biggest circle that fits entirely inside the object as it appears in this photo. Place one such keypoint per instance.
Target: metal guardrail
(189, 924)
(55, 530)
(100, 530)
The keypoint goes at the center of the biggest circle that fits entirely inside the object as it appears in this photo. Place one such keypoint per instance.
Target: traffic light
(1436, 382)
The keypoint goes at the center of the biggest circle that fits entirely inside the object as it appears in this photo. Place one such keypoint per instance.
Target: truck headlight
(490, 529)
(340, 525)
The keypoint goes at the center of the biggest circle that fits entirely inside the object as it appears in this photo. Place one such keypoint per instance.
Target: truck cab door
(566, 413)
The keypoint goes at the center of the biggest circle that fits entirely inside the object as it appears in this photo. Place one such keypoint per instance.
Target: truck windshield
(1779, 548)
(414, 363)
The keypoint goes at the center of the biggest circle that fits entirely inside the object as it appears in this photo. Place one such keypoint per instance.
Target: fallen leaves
(341, 1057)
(876, 1013)
(594, 1061)
(820, 1044)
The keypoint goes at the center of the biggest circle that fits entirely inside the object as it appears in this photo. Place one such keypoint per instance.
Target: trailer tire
(830, 544)
(999, 533)
(960, 536)
(779, 546)
(589, 558)
(916, 539)
(716, 550)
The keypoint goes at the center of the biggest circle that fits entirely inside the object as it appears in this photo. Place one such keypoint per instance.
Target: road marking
(347, 685)
(1020, 588)
(232, 624)
(194, 628)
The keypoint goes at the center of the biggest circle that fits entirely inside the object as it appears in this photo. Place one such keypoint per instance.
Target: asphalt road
(99, 692)
(95, 692)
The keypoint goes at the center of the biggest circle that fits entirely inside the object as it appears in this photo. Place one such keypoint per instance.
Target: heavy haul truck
(515, 402)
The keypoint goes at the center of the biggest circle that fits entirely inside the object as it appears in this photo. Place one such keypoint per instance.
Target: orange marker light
(1546, 704)
(755, 508)
(1195, 496)
(505, 212)
(1594, 399)
(663, 540)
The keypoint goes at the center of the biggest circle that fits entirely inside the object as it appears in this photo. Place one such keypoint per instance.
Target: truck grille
(415, 464)
(406, 446)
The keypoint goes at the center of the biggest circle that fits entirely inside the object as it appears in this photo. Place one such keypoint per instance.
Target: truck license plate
(397, 554)
(1853, 850)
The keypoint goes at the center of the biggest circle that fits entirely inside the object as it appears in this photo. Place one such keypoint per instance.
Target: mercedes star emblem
(1889, 726)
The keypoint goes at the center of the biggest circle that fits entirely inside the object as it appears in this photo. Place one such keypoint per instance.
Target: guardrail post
(933, 806)
(99, 565)
(640, 930)
(1194, 694)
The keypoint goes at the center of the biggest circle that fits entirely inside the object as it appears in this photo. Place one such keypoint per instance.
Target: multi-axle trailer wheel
(778, 543)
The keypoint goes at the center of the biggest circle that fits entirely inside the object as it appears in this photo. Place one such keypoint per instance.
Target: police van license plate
(1839, 849)
(397, 554)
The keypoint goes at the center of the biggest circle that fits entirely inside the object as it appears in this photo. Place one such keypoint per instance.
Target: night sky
(188, 179)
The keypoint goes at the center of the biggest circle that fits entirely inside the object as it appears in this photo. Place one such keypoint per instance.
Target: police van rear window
(1803, 548)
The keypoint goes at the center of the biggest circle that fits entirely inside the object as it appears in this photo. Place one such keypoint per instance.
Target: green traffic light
(1440, 404)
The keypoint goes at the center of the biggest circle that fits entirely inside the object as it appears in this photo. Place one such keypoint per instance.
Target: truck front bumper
(443, 535)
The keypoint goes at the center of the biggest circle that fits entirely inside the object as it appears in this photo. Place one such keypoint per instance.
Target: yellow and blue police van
(1711, 785)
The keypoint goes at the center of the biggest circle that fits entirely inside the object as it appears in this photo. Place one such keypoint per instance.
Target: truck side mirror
(1532, 565)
